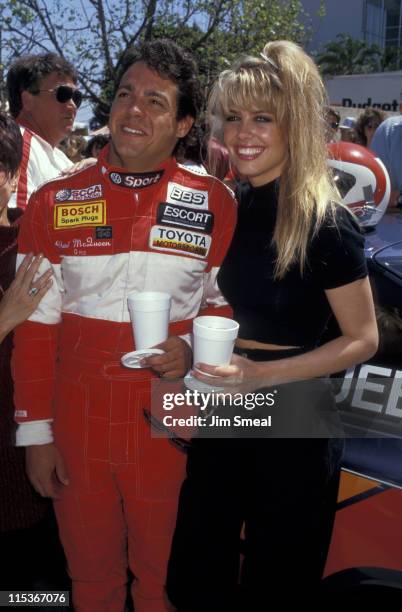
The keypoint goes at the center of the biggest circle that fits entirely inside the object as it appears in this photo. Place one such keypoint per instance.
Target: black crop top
(293, 311)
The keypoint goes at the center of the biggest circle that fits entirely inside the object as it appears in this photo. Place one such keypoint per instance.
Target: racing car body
(365, 558)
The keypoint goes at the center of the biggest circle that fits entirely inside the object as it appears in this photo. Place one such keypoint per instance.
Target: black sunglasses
(64, 93)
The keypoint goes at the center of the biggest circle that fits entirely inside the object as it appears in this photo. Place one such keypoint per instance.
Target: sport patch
(93, 192)
(171, 239)
(178, 194)
(169, 214)
(84, 214)
(136, 180)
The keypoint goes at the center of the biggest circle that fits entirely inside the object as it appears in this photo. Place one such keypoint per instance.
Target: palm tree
(347, 55)
(389, 59)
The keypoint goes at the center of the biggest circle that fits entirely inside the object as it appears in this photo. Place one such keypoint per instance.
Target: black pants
(284, 491)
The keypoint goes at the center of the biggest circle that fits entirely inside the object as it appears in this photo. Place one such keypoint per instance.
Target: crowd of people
(350, 129)
(372, 129)
(78, 147)
(82, 241)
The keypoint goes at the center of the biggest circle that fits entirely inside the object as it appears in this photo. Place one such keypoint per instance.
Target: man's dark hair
(10, 145)
(174, 63)
(26, 74)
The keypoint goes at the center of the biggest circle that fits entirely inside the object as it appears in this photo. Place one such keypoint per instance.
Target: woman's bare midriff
(254, 344)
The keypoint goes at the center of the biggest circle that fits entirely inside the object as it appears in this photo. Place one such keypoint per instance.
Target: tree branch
(213, 22)
(98, 4)
(149, 16)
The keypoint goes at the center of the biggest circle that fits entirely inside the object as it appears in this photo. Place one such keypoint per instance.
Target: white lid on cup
(215, 328)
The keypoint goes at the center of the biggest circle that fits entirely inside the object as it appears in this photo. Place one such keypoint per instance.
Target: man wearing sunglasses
(332, 118)
(44, 99)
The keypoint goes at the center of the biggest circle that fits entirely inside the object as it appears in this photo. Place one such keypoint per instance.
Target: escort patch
(93, 192)
(136, 180)
(171, 239)
(103, 232)
(169, 214)
(178, 194)
(84, 214)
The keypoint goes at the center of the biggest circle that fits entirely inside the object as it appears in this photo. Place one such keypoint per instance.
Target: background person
(89, 447)
(387, 144)
(74, 147)
(332, 121)
(95, 145)
(296, 257)
(193, 155)
(347, 128)
(20, 507)
(367, 123)
(43, 99)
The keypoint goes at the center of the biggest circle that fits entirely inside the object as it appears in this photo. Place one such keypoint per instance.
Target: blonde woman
(296, 258)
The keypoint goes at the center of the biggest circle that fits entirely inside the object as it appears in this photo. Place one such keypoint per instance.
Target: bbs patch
(179, 194)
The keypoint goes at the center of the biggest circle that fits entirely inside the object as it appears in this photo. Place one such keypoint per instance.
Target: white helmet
(362, 180)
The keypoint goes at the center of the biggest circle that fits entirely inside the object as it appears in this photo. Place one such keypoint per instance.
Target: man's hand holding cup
(170, 357)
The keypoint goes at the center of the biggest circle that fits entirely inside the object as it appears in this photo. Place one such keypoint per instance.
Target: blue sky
(84, 113)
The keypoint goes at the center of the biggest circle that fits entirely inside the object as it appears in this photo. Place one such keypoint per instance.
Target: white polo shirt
(40, 162)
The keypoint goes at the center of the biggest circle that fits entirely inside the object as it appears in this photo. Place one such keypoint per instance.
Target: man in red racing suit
(108, 231)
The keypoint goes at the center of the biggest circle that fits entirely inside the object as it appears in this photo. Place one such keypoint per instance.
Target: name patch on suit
(82, 214)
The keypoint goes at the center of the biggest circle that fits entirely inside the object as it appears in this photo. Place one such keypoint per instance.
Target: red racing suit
(107, 232)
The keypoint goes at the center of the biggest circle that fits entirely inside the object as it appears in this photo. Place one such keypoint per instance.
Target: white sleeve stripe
(34, 433)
